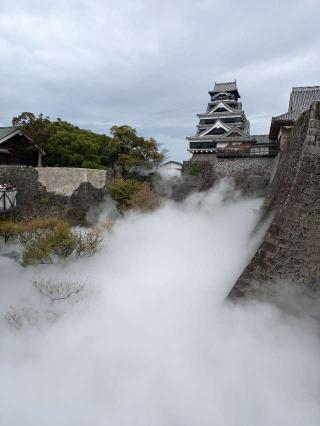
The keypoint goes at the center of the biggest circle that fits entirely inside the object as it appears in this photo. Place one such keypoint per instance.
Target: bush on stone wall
(130, 193)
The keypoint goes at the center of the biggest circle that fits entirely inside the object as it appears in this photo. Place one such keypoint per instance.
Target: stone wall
(290, 250)
(56, 191)
(196, 176)
(250, 175)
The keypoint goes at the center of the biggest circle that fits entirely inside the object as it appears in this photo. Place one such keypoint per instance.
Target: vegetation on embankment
(43, 240)
(130, 193)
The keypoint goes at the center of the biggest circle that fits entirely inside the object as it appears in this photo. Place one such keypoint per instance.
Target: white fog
(150, 340)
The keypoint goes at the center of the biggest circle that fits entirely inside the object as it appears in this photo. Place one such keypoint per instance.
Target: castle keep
(224, 130)
(224, 148)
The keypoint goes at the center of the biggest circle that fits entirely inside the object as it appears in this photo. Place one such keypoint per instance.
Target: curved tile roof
(230, 86)
(302, 97)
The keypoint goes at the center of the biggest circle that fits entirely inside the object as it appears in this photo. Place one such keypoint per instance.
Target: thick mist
(150, 341)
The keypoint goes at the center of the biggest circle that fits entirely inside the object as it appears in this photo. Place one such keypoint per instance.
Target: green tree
(134, 150)
(71, 146)
(38, 129)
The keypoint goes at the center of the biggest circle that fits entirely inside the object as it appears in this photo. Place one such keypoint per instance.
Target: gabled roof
(221, 105)
(7, 132)
(302, 97)
(236, 130)
(217, 125)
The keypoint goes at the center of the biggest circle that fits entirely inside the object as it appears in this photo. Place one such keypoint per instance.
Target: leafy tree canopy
(70, 146)
(136, 151)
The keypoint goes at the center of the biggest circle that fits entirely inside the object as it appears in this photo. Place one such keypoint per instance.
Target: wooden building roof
(302, 97)
(7, 132)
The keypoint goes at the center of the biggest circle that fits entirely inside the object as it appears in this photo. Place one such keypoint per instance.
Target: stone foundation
(250, 175)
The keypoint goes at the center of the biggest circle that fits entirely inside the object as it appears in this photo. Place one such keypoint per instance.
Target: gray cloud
(150, 64)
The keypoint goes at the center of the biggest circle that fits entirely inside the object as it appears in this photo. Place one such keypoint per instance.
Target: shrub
(59, 241)
(57, 290)
(37, 228)
(46, 238)
(130, 193)
(62, 241)
(87, 242)
(122, 191)
(8, 230)
(106, 225)
(145, 199)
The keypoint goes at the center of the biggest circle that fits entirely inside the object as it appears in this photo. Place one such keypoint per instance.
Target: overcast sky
(150, 63)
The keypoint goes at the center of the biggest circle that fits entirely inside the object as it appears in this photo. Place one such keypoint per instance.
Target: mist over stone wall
(290, 250)
(196, 176)
(250, 175)
(56, 191)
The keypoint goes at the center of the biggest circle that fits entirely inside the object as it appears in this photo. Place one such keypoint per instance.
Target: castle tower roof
(229, 87)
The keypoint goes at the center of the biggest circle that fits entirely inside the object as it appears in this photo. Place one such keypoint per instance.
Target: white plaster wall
(66, 180)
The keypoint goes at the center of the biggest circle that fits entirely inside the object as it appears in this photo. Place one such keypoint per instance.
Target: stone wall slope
(290, 250)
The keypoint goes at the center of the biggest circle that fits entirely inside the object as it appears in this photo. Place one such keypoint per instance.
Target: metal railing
(8, 200)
